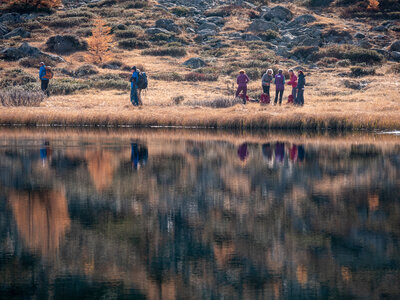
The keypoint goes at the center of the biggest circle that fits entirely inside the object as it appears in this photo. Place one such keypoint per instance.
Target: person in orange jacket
(293, 83)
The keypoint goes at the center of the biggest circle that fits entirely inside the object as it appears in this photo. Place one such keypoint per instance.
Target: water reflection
(200, 220)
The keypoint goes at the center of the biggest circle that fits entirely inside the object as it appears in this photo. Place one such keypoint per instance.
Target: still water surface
(162, 217)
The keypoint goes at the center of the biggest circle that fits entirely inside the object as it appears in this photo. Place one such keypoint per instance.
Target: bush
(110, 84)
(216, 103)
(132, 44)
(180, 11)
(77, 13)
(68, 22)
(103, 3)
(17, 96)
(33, 62)
(394, 69)
(359, 72)
(169, 76)
(222, 11)
(112, 64)
(127, 34)
(319, 3)
(304, 52)
(269, 35)
(27, 6)
(352, 53)
(161, 37)
(169, 51)
(15, 77)
(86, 70)
(194, 76)
(136, 4)
(66, 86)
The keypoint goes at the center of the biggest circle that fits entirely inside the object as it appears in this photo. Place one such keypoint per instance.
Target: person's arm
(247, 79)
(41, 73)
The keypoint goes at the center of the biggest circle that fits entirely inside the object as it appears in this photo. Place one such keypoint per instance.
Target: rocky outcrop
(194, 63)
(278, 14)
(64, 44)
(17, 32)
(261, 26)
(168, 25)
(25, 50)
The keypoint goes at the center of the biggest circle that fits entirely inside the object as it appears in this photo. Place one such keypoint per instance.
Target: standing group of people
(297, 84)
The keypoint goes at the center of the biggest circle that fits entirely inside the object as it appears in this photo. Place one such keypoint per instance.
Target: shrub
(103, 3)
(110, 84)
(222, 11)
(359, 72)
(15, 77)
(222, 102)
(194, 76)
(86, 70)
(319, 3)
(255, 73)
(32, 5)
(132, 44)
(394, 69)
(33, 62)
(269, 35)
(66, 86)
(178, 100)
(127, 34)
(68, 22)
(304, 52)
(76, 13)
(168, 76)
(169, 51)
(352, 53)
(113, 64)
(136, 4)
(161, 37)
(180, 11)
(84, 32)
(18, 96)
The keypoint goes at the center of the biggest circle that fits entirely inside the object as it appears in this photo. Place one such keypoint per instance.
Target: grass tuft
(17, 96)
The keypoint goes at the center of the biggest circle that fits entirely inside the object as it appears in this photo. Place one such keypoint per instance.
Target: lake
(190, 214)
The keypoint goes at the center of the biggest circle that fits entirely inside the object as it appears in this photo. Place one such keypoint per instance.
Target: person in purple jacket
(242, 81)
(280, 86)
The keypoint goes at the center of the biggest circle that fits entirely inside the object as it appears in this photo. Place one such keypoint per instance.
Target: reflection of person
(139, 155)
(45, 151)
(300, 152)
(293, 153)
(279, 152)
(242, 152)
(267, 151)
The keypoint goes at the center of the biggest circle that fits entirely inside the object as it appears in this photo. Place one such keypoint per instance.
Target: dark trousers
(244, 90)
(44, 86)
(280, 93)
(134, 96)
(300, 97)
(266, 89)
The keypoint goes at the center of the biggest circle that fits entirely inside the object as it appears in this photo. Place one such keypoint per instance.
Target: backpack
(290, 99)
(142, 81)
(49, 73)
(264, 99)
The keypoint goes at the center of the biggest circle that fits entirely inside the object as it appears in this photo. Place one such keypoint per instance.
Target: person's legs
(239, 89)
(301, 97)
(265, 88)
(280, 97)
(294, 92)
(44, 86)
(139, 92)
(134, 96)
(244, 94)
(276, 96)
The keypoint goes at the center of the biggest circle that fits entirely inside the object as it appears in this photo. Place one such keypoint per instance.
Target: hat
(133, 68)
(41, 63)
(241, 71)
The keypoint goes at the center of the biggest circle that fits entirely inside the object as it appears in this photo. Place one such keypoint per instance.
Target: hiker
(293, 83)
(279, 86)
(300, 88)
(266, 81)
(44, 78)
(134, 93)
(242, 81)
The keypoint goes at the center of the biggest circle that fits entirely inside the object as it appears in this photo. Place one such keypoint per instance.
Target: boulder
(359, 35)
(206, 32)
(194, 63)
(85, 71)
(261, 26)
(277, 14)
(63, 44)
(302, 20)
(395, 46)
(208, 26)
(365, 44)
(10, 18)
(153, 30)
(395, 56)
(355, 85)
(3, 29)
(24, 50)
(17, 32)
(168, 25)
(216, 20)
(379, 28)
(337, 37)
(250, 37)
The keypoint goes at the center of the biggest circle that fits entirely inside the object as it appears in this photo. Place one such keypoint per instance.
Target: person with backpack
(134, 87)
(279, 86)
(242, 81)
(300, 88)
(293, 83)
(266, 81)
(45, 74)
(141, 85)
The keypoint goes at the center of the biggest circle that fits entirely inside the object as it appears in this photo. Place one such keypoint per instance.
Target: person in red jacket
(293, 83)
(242, 81)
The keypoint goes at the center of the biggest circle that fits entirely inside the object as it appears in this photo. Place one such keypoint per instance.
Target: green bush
(359, 71)
(303, 52)
(168, 76)
(168, 51)
(15, 77)
(180, 11)
(85, 71)
(66, 86)
(352, 53)
(215, 103)
(77, 13)
(136, 4)
(106, 84)
(103, 3)
(18, 96)
(269, 35)
(195, 76)
(255, 73)
(68, 22)
(127, 34)
(132, 44)
(161, 37)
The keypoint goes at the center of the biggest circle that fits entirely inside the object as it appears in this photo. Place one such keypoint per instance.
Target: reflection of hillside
(42, 218)
(101, 166)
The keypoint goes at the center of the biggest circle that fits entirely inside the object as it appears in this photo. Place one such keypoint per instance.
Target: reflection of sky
(293, 221)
